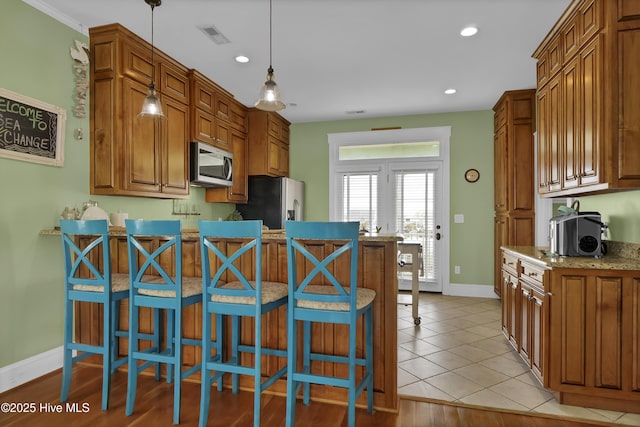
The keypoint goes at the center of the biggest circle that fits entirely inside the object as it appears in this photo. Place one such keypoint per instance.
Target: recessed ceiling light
(242, 59)
(468, 31)
(450, 91)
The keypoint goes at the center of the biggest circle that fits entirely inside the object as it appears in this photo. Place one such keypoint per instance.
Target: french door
(404, 197)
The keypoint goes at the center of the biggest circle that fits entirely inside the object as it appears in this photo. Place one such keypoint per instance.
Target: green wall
(36, 63)
(471, 147)
(620, 211)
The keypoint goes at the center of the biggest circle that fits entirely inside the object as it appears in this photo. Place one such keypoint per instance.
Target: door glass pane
(360, 199)
(389, 151)
(415, 215)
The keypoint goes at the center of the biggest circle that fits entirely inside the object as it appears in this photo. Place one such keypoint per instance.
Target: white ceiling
(334, 57)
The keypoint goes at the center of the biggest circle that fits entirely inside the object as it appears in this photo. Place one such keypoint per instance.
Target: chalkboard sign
(31, 130)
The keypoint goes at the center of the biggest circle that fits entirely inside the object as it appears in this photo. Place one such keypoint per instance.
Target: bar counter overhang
(377, 270)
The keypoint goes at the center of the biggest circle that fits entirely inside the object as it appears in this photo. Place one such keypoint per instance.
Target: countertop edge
(539, 255)
(193, 234)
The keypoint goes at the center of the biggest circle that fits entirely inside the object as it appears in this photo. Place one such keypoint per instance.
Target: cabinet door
(538, 331)
(513, 299)
(628, 122)
(590, 107)
(141, 148)
(568, 330)
(278, 158)
(505, 282)
(203, 126)
(572, 108)
(500, 236)
(175, 138)
(501, 181)
(239, 191)
(524, 318)
(223, 135)
(549, 136)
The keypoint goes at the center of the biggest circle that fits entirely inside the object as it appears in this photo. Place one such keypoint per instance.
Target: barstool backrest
(226, 264)
(148, 276)
(88, 268)
(344, 291)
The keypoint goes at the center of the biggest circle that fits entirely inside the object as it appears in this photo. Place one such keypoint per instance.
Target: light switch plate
(458, 218)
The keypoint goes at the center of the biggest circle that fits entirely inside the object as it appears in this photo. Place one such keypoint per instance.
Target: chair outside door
(317, 295)
(88, 278)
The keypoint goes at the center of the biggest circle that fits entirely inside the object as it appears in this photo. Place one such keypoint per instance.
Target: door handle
(438, 236)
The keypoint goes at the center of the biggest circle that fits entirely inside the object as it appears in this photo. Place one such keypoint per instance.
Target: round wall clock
(472, 175)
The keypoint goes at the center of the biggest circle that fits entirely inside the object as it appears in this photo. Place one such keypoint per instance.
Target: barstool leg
(67, 364)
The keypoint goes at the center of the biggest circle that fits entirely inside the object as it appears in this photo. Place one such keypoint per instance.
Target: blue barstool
(86, 281)
(230, 291)
(329, 302)
(155, 272)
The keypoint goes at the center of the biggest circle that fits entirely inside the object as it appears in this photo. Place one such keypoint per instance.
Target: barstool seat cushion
(271, 291)
(119, 282)
(364, 297)
(190, 286)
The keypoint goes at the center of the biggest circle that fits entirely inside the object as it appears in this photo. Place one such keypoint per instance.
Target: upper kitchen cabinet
(218, 119)
(129, 155)
(268, 144)
(588, 114)
(514, 188)
(214, 113)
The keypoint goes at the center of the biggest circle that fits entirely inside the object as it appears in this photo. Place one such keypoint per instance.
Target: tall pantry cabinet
(514, 221)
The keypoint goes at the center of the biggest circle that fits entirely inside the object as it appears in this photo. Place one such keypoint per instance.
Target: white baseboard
(18, 373)
(460, 290)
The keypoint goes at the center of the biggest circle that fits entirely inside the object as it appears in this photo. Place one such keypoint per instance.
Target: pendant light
(151, 106)
(269, 99)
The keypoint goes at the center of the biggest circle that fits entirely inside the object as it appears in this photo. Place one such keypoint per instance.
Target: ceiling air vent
(214, 34)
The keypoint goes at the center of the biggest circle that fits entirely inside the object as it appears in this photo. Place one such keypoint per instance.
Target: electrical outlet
(456, 269)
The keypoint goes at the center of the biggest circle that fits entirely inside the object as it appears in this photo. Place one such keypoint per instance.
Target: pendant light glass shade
(151, 106)
(269, 99)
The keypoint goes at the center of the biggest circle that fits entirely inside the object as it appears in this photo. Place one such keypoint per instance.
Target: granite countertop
(620, 256)
(192, 234)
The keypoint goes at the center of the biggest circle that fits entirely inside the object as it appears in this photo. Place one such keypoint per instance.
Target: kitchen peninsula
(377, 270)
(576, 322)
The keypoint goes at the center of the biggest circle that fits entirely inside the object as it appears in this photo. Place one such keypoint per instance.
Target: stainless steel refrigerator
(274, 200)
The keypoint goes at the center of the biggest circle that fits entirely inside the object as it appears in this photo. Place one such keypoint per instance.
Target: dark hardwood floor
(154, 408)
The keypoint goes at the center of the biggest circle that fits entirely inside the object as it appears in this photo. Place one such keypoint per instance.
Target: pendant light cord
(153, 65)
(270, 34)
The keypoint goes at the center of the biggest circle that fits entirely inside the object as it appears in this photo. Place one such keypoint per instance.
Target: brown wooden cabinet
(129, 155)
(534, 318)
(513, 174)
(525, 313)
(268, 144)
(219, 120)
(588, 118)
(215, 114)
(594, 336)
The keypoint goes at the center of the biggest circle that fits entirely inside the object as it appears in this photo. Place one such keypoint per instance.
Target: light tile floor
(459, 354)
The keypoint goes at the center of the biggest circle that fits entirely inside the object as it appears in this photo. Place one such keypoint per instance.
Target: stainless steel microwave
(210, 166)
